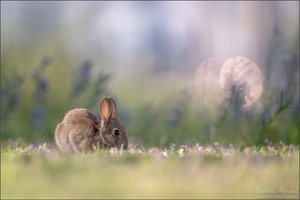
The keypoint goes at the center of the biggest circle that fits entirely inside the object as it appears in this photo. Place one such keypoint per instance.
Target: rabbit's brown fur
(81, 130)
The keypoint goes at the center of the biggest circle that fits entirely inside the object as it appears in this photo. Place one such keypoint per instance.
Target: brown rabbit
(81, 130)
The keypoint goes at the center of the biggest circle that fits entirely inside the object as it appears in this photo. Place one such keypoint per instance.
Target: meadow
(163, 63)
(196, 171)
(241, 153)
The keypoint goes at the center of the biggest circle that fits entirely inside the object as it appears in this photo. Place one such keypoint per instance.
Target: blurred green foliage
(34, 100)
(44, 73)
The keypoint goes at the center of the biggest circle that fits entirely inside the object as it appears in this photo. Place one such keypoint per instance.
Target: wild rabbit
(81, 130)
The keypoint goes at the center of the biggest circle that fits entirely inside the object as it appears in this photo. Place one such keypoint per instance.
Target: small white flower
(181, 152)
(165, 153)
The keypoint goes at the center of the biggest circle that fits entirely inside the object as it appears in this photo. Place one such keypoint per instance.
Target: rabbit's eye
(116, 132)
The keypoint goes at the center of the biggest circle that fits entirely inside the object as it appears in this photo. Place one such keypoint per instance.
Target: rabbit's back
(77, 131)
(80, 115)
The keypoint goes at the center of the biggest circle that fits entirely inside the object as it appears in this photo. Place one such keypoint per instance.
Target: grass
(196, 171)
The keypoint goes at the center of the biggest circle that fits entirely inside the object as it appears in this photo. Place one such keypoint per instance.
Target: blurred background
(56, 56)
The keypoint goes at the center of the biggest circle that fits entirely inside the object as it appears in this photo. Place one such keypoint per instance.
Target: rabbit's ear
(105, 109)
(113, 109)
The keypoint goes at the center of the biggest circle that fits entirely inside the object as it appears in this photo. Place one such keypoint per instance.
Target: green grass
(41, 171)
